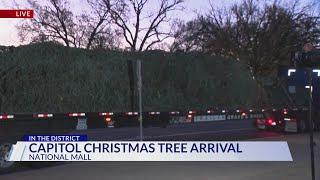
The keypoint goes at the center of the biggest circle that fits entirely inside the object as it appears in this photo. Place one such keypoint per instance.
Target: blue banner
(55, 138)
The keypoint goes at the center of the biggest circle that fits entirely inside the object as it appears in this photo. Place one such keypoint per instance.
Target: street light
(307, 61)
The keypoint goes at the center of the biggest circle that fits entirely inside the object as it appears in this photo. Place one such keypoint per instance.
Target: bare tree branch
(55, 21)
(128, 16)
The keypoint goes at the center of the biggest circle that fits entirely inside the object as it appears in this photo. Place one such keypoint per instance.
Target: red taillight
(6, 116)
(131, 113)
(154, 113)
(76, 114)
(192, 112)
(43, 115)
(271, 122)
(106, 114)
(108, 119)
(210, 111)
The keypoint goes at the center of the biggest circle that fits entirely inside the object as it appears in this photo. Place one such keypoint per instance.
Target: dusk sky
(8, 33)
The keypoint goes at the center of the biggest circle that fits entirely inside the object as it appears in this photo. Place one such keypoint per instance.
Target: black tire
(5, 165)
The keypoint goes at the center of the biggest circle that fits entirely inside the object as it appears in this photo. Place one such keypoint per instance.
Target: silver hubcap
(5, 150)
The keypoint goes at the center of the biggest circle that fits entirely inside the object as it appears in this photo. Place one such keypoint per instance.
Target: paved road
(220, 130)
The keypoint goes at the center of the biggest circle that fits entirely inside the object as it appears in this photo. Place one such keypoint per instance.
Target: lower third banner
(150, 151)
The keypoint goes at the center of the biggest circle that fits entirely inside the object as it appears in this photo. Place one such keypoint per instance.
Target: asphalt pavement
(219, 130)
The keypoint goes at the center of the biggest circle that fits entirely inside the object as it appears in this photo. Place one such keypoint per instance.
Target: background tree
(140, 28)
(54, 21)
(261, 36)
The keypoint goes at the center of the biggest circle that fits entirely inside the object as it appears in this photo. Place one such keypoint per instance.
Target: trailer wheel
(5, 165)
